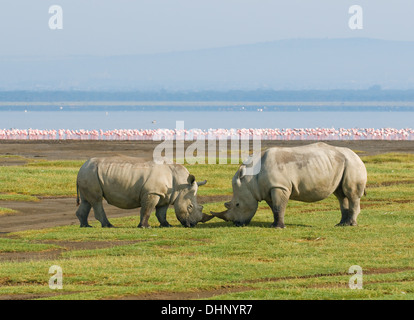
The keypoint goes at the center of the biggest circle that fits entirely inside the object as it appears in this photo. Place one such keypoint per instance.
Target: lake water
(108, 120)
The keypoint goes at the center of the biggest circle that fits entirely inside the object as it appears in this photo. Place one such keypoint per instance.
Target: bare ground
(47, 213)
(52, 212)
(82, 150)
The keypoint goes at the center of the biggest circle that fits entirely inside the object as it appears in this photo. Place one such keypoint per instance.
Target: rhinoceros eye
(237, 204)
(190, 207)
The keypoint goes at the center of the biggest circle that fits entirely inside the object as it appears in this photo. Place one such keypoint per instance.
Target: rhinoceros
(306, 173)
(129, 183)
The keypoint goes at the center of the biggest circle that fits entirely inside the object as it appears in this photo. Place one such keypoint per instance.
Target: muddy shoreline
(79, 150)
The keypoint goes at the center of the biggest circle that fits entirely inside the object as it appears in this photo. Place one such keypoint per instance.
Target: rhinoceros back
(310, 173)
(123, 181)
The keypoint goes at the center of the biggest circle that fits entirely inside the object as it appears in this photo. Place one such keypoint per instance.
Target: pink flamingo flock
(193, 134)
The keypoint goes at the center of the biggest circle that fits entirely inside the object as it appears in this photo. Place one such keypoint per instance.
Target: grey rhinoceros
(306, 173)
(129, 183)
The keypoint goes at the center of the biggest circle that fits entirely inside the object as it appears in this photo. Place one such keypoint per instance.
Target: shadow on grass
(210, 225)
(253, 224)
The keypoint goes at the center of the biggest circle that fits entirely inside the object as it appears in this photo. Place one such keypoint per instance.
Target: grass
(6, 211)
(19, 245)
(307, 260)
(58, 178)
(54, 178)
(17, 197)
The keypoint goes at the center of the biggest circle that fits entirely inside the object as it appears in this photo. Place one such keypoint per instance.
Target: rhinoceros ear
(193, 183)
(191, 179)
(242, 172)
(227, 205)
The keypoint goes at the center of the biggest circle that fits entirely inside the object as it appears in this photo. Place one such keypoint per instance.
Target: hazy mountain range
(296, 64)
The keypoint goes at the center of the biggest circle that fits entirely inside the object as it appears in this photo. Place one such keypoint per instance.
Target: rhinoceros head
(187, 210)
(243, 205)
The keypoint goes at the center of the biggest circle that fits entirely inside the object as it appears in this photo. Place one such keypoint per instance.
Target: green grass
(17, 197)
(6, 211)
(218, 177)
(19, 245)
(40, 178)
(307, 260)
(58, 178)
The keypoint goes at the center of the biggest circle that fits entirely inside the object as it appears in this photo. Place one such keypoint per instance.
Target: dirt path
(47, 213)
(52, 212)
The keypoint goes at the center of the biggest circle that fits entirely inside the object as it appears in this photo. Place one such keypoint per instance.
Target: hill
(296, 64)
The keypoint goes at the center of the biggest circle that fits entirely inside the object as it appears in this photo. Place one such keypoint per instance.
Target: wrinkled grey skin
(129, 183)
(307, 173)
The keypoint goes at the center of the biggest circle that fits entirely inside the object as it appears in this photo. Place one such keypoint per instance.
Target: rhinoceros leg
(100, 215)
(83, 212)
(148, 205)
(350, 207)
(280, 199)
(161, 213)
(354, 210)
(344, 205)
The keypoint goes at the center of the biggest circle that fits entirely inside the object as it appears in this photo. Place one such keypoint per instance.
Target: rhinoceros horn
(206, 217)
(221, 215)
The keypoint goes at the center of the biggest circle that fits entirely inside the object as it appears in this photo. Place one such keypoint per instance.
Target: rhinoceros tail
(77, 195)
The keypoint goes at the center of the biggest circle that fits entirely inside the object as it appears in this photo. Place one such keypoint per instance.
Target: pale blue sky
(109, 27)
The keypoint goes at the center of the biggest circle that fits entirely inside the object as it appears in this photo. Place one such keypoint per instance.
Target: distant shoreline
(261, 106)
